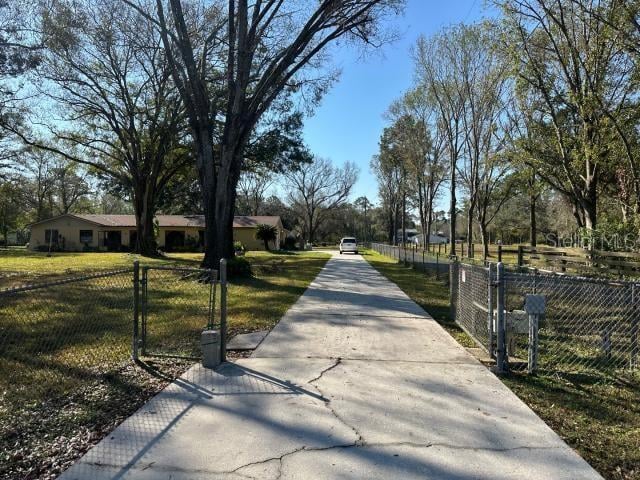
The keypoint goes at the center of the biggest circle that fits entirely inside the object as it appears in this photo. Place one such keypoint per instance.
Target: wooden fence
(563, 260)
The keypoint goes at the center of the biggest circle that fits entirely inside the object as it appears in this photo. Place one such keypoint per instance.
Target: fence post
(520, 255)
(501, 347)
(490, 327)
(532, 364)
(635, 327)
(223, 310)
(136, 310)
(437, 266)
(499, 252)
(143, 305)
(454, 278)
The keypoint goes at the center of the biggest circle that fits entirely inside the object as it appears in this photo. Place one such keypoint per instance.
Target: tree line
(526, 124)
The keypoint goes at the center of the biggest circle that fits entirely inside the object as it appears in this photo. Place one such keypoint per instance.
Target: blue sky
(348, 123)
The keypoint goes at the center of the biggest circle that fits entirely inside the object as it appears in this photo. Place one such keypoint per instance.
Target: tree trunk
(404, 216)
(485, 240)
(590, 216)
(225, 199)
(395, 223)
(144, 201)
(533, 230)
(207, 180)
(470, 230)
(452, 211)
(421, 209)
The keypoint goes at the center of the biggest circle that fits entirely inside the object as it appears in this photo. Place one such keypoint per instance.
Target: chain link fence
(53, 336)
(588, 326)
(177, 305)
(56, 337)
(432, 264)
(474, 311)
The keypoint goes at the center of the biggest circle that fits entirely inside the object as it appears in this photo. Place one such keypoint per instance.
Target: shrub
(289, 243)
(266, 233)
(238, 267)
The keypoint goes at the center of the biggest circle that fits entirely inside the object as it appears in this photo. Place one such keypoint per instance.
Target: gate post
(501, 348)
(143, 308)
(223, 310)
(490, 326)
(454, 280)
(136, 310)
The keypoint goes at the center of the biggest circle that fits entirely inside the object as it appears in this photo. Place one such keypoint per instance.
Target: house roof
(122, 221)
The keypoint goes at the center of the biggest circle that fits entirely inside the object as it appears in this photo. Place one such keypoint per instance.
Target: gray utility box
(210, 344)
(535, 304)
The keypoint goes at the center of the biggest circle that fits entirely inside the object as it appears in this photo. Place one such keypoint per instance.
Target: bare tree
(316, 189)
(435, 62)
(389, 176)
(71, 185)
(252, 189)
(423, 146)
(235, 65)
(40, 176)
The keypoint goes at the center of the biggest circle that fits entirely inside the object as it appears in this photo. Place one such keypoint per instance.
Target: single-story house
(76, 232)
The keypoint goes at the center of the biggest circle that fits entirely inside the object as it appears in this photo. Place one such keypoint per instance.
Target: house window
(51, 236)
(86, 236)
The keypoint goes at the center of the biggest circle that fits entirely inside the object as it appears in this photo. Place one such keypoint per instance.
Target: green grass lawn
(600, 419)
(66, 378)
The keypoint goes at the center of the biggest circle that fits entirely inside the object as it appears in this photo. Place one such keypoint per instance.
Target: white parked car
(348, 244)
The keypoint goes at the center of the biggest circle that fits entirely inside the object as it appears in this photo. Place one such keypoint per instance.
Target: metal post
(136, 309)
(499, 252)
(501, 347)
(454, 286)
(437, 266)
(490, 326)
(520, 255)
(143, 285)
(223, 310)
(532, 364)
(635, 328)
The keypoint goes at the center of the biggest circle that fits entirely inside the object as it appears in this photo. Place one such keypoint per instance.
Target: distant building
(433, 239)
(77, 232)
(409, 234)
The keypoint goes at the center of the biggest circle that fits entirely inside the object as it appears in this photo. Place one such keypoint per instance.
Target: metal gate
(176, 305)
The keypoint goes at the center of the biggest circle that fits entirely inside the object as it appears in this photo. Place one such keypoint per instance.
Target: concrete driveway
(355, 382)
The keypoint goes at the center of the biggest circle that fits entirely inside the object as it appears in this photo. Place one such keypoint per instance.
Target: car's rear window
(348, 240)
